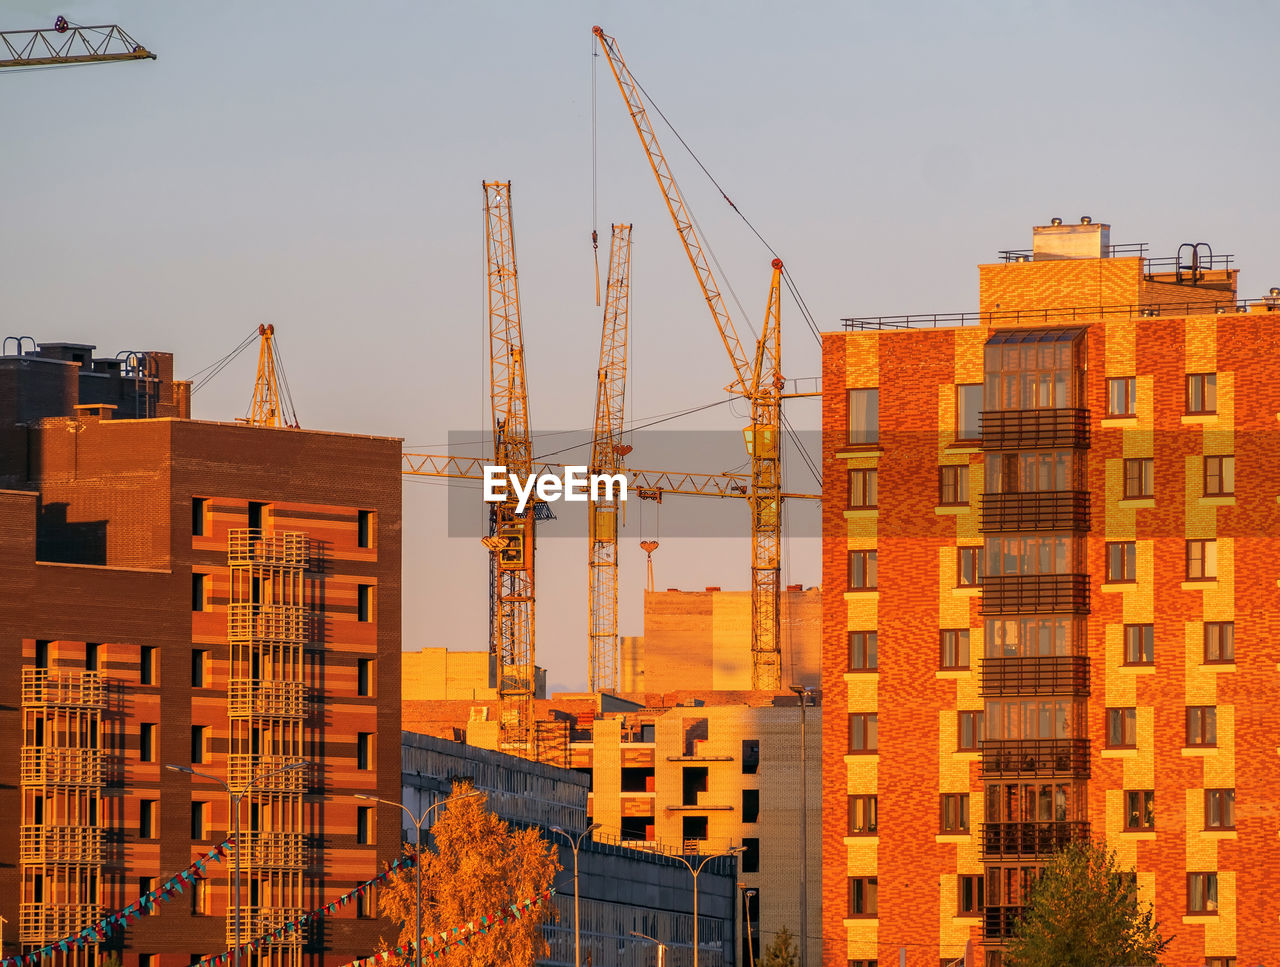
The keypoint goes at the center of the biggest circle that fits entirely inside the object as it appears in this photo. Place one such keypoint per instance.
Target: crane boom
(64, 43)
(511, 537)
(607, 451)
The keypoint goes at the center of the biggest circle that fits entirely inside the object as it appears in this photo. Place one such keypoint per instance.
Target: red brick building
(222, 597)
(1051, 553)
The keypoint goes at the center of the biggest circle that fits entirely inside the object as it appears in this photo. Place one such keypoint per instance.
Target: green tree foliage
(781, 951)
(480, 867)
(1084, 912)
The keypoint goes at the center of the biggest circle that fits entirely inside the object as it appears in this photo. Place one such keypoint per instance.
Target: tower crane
(607, 453)
(270, 407)
(757, 379)
(65, 43)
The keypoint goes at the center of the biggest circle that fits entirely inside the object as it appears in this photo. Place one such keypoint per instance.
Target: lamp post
(417, 844)
(233, 804)
(577, 933)
(803, 692)
(732, 851)
(746, 903)
(662, 948)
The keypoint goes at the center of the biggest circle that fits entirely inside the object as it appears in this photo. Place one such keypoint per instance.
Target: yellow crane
(65, 43)
(270, 407)
(757, 379)
(607, 453)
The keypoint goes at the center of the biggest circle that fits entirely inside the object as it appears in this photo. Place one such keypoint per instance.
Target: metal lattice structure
(66, 43)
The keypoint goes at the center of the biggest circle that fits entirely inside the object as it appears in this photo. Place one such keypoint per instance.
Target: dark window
(1122, 728)
(694, 828)
(1139, 809)
(693, 784)
(955, 812)
(750, 756)
(955, 648)
(862, 651)
(968, 570)
(1219, 962)
(1120, 396)
(864, 417)
(864, 489)
(145, 885)
(91, 656)
(146, 960)
(1202, 560)
(1219, 641)
(953, 485)
(1139, 644)
(968, 407)
(970, 889)
(365, 904)
(1139, 477)
(863, 735)
(256, 514)
(199, 513)
(1219, 809)
(750, 854)
(1202, 893)
(1202, 725)
(197, 744)
(751, 805)
(863, 815)
(198, 583)
(42, 654)
(364, 528)
(970, 725)
(364, 828)
(146, 819)
(199, 898)
(146, 742)
(364, 742)
(862, 896)
(364, 676)
(1202, 393)
(1122, 561)
(147, 665)
(199, 657)
(197, 819)
(862, 570)
(364, 602)
(1219, 476)
(874, 963)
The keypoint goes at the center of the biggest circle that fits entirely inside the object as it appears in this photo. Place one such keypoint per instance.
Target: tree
(480, 867)
(781, 951)
(1085, 912)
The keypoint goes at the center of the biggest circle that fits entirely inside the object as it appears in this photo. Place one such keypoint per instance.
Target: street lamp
(577, 934)
(803, 692)
(732, 851)
(662, 948)
(233, 804)
(417, 843)
(747, 896)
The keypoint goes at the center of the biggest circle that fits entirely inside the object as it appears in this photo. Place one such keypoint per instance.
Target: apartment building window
(970, 731)
(197, 744)
(199, 515)
(364, 748)
(953, 485)
(1219, 476)
(1219, 641)
(1122, 728)
(364, 528)
(863, 815)
(1219, 809)
(862, 651)
(42, 654)
(862, 570)
(694, 828)
(1202, 725)
(145, 885)
(198, 816)
(199, 898)
(1202, 560)
(1139, 477)
(875, 963)
(146, 742)
(147, 826)
(864, 490)
(1139, 809)
(751, 805)
(147, 665)
(1122, 561)
(955, 812)
(1202, 893)
(750, 756)
(199, 662)
(750, 854)
(968, 568)
(969, 888)
(257, 513)
(862, 897)
(1219, 962)
(1120, 396)
(1139, 644)
(91, 656)
(1202, 393)
(968, 410)
(199, 591)
(955, 648)
(364, 677)
(149, 960)
(863, 735)
(364, 602)
(364, 827)
(366, 904)
(864, 417)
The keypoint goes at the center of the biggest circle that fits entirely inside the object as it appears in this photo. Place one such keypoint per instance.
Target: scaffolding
(268, 630)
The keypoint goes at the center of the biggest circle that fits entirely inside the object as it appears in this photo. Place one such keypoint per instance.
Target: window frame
(1139, 477)
(870, 568)
(976, 553)
(1209, 885)
(1207, 381)
(957, 489)
(867, 487)
(959, 635)
(1130, 395)
(366, 529)
(961, 437)
(199, 744)
(199, 591)
(867, 895)
(1203, 544)
(147, 665)
(867, 438)
(199, 820)
(364, 677)
(200, 668)
(1226, 805)
(1205, 734)
(366, 603)
(869, 804)
(147, 741)
(364, 826)
(199, 516)
(365, 758)
(1221, 460)
(1128, 719)
(870, 733)
(870, 655)
(1128, 562)
(976, 882)
(975, 718)
(954, 805)
(1225, 634)
(1146, 635)
(148, 819)
(1145, 810)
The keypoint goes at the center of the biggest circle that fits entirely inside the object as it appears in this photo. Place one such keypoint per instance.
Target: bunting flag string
(102, 929)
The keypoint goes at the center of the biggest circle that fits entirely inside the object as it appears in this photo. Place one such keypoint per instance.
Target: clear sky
(318, 165)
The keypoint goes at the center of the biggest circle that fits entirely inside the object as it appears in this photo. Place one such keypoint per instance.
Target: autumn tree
(480, 867)
(1085, 912)
(781, 951)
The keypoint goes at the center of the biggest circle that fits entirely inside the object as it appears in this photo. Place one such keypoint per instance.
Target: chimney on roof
(1088, 240)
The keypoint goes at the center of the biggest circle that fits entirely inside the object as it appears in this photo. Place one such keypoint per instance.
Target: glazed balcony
(1013, 841)
(1048, 675)
(1035, 757)
(1038, 512)
(1044, 429)
(1009, 594)
(998, 922)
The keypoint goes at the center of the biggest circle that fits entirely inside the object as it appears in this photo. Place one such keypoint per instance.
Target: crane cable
(214, 368)
(595, 178)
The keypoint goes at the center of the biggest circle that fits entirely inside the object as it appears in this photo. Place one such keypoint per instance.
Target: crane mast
(511, 533)
(607, 451)
(758, 380)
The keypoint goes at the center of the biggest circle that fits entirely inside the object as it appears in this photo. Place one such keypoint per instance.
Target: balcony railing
(80, 689)
(246, 697)
(1060, 510)
(41, 922)
(1035, 757)
(61, 844)
(998, 922)
(1049, 675)
(268, 622)
(1029, 840)
(61, 767)
(243, 767)
(249, 545)
(255, 922)
(1034, 429)
(1035, 594)
(271, 849)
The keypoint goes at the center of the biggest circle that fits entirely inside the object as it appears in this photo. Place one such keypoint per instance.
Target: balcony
(243, 767)
(39, 923)
(249, 545)
(1049, 675)
(267, 622)
(1034, 429)
(76, 689)
(1008, 594)
(998, 922)
(272, 850)
(1035, 757)
(260, 923)
(61, 767)
(1013, 841)
(1056, 510)
(250, 697)
(41, 845)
